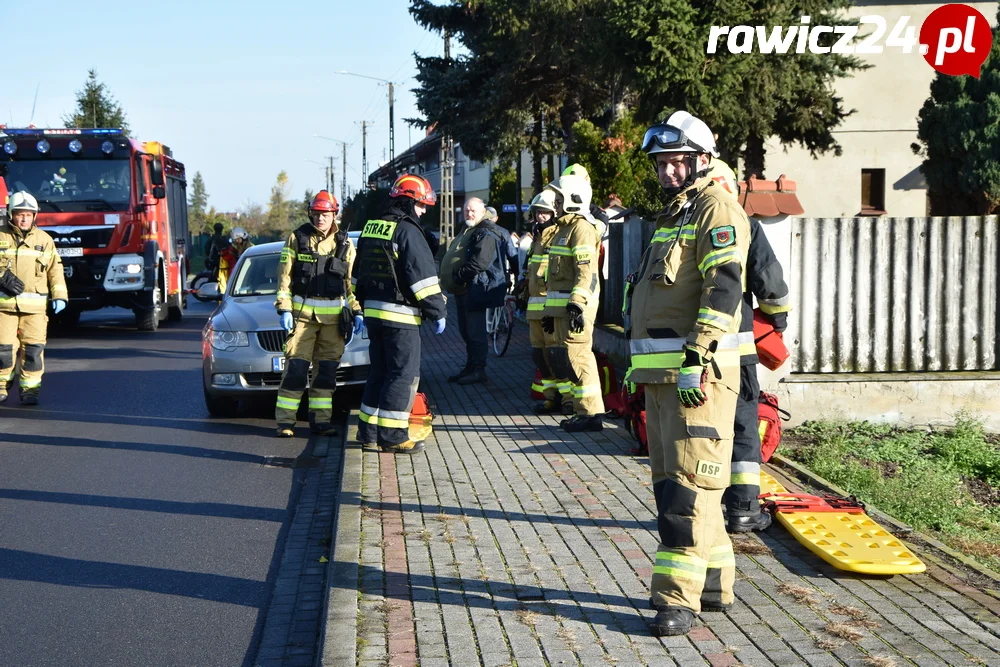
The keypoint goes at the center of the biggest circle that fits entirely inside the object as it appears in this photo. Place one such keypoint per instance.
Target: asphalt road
(134, 529)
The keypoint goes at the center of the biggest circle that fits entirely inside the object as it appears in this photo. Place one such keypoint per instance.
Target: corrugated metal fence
(894, 294)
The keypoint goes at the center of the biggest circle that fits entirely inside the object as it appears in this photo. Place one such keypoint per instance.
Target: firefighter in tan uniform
(531, 299)
(30, 274)
(317, 307)
(683, 322)
(572, 293)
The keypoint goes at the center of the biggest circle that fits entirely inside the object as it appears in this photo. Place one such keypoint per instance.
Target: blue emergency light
(76, 132)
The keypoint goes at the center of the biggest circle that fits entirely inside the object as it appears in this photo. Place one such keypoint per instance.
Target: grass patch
(944, 483)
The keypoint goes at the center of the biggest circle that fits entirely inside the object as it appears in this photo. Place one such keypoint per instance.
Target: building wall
(887, 97)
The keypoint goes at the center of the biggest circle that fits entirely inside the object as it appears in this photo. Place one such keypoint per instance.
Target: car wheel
(221, 406)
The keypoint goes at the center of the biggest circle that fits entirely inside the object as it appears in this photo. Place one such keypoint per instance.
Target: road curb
(802, 473)
(338, 639)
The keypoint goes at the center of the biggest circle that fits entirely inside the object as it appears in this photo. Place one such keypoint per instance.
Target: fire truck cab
(117, 211)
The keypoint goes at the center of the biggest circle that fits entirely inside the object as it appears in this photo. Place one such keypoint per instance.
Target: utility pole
(447, 229)
(333, 180)
(343, 174)
(364, 154)
(392, 127)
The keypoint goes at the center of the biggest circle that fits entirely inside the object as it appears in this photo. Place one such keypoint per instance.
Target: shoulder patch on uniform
(724, 236)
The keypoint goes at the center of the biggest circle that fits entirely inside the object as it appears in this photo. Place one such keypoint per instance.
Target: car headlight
(228, 340)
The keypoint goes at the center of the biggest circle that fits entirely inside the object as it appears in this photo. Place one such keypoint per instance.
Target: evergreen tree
(96, 107)
(959, 134)
(197, 201)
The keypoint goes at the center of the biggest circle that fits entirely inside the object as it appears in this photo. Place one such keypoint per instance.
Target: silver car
(242, 343)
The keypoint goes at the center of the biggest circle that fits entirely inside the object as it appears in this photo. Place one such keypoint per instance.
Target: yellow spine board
(851, 542)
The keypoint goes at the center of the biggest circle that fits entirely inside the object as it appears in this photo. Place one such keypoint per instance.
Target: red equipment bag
(610, 390)
(771, 348)
(420, 413)
(635, 417)
(769, 418)
(536, 387)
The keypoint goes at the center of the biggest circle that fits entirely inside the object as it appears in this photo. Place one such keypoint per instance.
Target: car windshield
(73, 185)
(257, 276)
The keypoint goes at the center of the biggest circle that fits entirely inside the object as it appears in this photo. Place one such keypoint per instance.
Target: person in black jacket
(398, 287)
(475, 270)
(766, 282)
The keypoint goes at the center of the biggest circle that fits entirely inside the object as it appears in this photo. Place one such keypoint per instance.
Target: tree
(278, 209)
(745, 97)
(617, 165)
(197, 201)
(366, 205)
(959, 134)
(253, 219)
(503, 190)
(528, 62)
(96, 107)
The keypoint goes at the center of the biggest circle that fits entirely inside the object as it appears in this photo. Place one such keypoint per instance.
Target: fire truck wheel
(176, 310)
(148, 319)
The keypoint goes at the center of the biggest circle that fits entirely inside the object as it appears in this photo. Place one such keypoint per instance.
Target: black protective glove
(548, 325)
(780, 321)
(11, 284)
(347, 323)
(521, 296)
(576, 322)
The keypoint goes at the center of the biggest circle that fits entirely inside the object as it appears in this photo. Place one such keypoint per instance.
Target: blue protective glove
(439, 326)
(58, 306)
(359, 323)
(286, 320)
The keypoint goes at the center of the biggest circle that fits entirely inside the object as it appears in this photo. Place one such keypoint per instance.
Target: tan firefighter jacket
(31, 256)
(573, 275)
(309, 282)
(689, 288)
(536, 266)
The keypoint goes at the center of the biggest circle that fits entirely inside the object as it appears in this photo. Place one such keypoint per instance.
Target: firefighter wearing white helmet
(531, 299)
(572, 294)
(30, 274)
(683, 321)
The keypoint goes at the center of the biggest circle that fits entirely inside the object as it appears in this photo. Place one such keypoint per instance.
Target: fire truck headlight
(108, 148)
(42, 146)
(132, 268)
(9, 147)
(75, 146)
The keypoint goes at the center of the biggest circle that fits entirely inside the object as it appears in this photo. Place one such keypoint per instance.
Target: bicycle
(500, 325)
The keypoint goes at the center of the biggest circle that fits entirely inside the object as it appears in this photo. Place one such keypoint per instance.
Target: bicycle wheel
(198, 281)
(502, 333)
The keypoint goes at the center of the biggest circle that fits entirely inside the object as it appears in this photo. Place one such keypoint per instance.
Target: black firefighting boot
(546, 407)
(741, 522)
(579, 423)
(30, 398)
(672, 621)
(705, 606)
(408, 447)
(286, 430)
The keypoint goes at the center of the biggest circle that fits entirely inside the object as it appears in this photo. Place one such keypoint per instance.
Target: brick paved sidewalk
(511, 542)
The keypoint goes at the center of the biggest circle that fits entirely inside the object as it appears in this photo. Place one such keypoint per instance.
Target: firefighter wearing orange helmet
(316, 306)
(397, 283)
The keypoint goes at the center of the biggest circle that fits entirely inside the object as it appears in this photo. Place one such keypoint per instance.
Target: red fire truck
(117, 211)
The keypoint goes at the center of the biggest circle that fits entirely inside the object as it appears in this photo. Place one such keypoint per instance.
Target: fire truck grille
(98, 237)
(272, 341)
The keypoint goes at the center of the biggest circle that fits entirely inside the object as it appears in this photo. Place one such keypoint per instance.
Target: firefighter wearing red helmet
(398, 287)
(316, 305)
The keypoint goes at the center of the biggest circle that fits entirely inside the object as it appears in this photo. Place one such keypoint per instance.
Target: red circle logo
(956, 39)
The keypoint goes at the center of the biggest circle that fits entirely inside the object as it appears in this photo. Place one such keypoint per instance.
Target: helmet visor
(663, 136)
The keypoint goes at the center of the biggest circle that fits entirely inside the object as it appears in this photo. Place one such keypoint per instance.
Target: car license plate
(278, 364)
(70, 252)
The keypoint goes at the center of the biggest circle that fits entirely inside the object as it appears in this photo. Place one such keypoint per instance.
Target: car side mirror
(159, 192)
(210, 292)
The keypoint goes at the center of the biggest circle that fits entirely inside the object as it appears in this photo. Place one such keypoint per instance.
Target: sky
(236, 90)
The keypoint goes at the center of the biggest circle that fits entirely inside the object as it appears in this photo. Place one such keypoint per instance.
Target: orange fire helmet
(415, 187)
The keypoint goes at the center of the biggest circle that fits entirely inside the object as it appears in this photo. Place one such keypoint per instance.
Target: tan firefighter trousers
(322, 345)
(22, 337)
(689, 456)
(573, 362)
